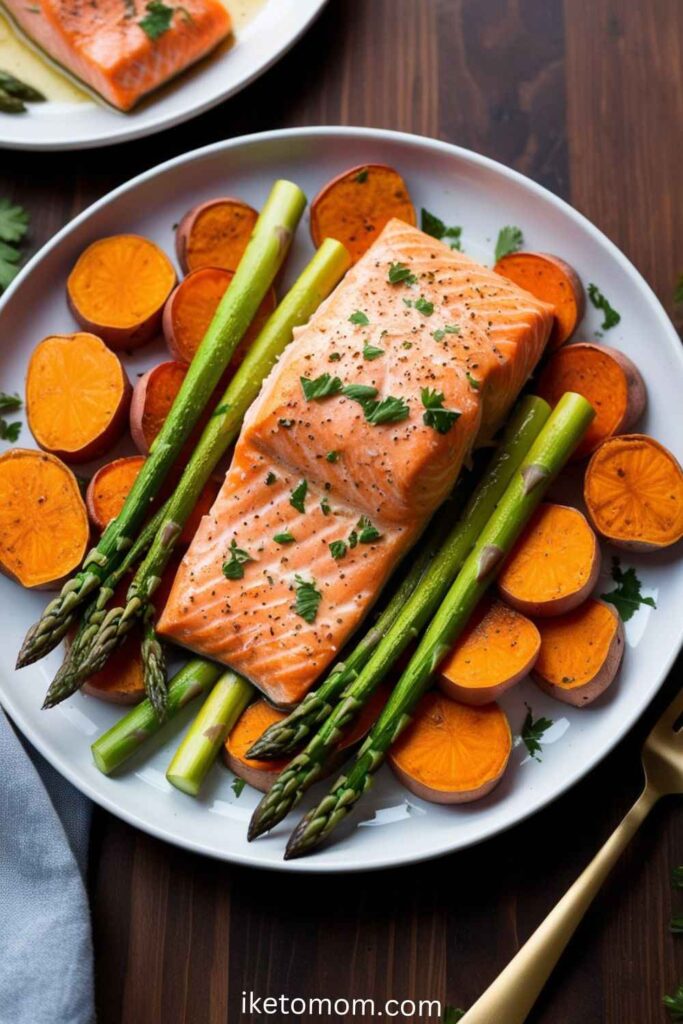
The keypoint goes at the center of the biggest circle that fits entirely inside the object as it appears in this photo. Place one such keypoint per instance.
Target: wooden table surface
(585, 97)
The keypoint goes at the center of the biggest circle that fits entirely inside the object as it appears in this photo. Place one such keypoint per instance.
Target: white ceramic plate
(462, 188)
(84, 125)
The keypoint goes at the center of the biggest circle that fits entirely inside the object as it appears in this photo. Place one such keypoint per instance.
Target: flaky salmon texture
(105, 44)
(311, 473)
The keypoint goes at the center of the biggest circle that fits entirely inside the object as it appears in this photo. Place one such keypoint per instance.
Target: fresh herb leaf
(368, 532)
(308, 599)
(423, 306)
(440, 333)
(532, 732)
(10, 431)
(321, 387)
(359, 317)
(510, 239)
(611, 317)
(627, 597)
(334, 357)
(676, 925)
(674, 1004)
(406, 344)
(332, 456)
(338, 549)
(678, 291)
(371, 352)
(399, 273)
(362, 176)
(13, 222)
(472, 381)
(325, 506)
(298, 496)
(451, 1015)
(353, 539)
(237, 787)
(284, 538)
(9, 403)
(389, 410)
(359, 392)
(158, 19)
(270, 479)
(435, 415)
(677, 878)
(435, 227)
(233, 568)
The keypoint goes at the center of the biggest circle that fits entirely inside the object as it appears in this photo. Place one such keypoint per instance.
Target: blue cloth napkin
(46, 968)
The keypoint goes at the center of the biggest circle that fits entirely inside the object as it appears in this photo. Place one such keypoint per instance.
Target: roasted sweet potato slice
(118, 289)
(553, 281)
(121, 679)
(215, 234)
(355, 206)
(109, 488)
(77, 396)
(153, 396)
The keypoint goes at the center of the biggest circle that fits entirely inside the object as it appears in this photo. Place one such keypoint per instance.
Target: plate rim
(336, 132)
(172, 119)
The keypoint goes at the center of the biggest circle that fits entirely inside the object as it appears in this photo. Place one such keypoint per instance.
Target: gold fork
(511, 996)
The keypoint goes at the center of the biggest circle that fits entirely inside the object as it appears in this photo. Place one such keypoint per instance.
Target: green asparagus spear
(317, 280)
(141, 723)
(260, 263)
(208, 731)
(11, 104)
(558, 439)
(15, 87)
(306, 767)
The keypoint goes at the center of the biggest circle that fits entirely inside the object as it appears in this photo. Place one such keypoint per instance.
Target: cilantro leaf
(627, 597)
(237, 786)
(10, 431)
(674, 1004)
(157, 20)
(14, 221)
(611, 317)
(9, 403)
(361, 176)
(423, 306)
(284, 538)
(399, 273)
(332, 456)
(435, 415)
(359, 317)
(434, 226)
(359, 392)
(368, 532)
(233, 568)
(353, 539)
(298, 496)
(338, 549)
(440, 333)
(371, 352)
(532, 732)
(270, 479)
(308, 599)
(678, 291)
(321, 387)
(451, 1015)
(510, 239)
(325, 506)
(389, 410)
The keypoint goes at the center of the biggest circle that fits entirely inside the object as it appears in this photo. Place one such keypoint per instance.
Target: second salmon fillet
(358, 435)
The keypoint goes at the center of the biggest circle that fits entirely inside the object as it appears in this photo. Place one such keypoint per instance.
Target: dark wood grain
(585, 96)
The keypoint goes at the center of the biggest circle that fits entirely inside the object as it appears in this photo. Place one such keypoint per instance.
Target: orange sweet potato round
(580, 653)
(118, 289)
(109, 488)
(77, 396)
(190, 309)
(121, 679)
(606, 378)
(553, 281)
(356, 205)
(554, 565)
(153, 396)
(451, 753)
(215, 234)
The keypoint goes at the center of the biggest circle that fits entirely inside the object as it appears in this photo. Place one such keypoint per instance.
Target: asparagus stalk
(208, 731)
(318, 279)
(552, 448)
(260, 263)
(141, 723)
(523, 428)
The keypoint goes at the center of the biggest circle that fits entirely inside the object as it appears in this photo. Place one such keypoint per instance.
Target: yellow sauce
(20, 59)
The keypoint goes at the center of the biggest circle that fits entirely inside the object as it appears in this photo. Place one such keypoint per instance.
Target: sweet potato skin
(574, 303)
(189, 221)
(138, 406)
(580, 696)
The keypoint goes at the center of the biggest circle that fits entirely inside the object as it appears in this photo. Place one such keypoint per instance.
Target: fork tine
(674, 711)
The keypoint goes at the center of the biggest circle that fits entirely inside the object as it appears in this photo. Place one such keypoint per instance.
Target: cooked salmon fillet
(455, 328)
(103, 44)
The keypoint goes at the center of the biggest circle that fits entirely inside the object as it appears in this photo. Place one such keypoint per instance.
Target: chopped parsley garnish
(532, 732)
(678, 291)
(353, 539)
(472, 381)
(270, 479)
(334, 357)
(286, 423)
(359, 392)
(284, 538)
(10, 431)
(325, 506)
(435, 415)
(423, 306)
(338, 549)
(434, 226)
(399, 273)
(238, 786)
(157, 20)
(9, 403)
(368, 533)
(332, 456)
(298, 496)
(308, 599)
(510, 239)
(233, 568)
(361, 176)
(359, 317)
(611, 317)
(321, 387)
(440, 333)
(371, 352)
(389, 410)
(627, 597)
